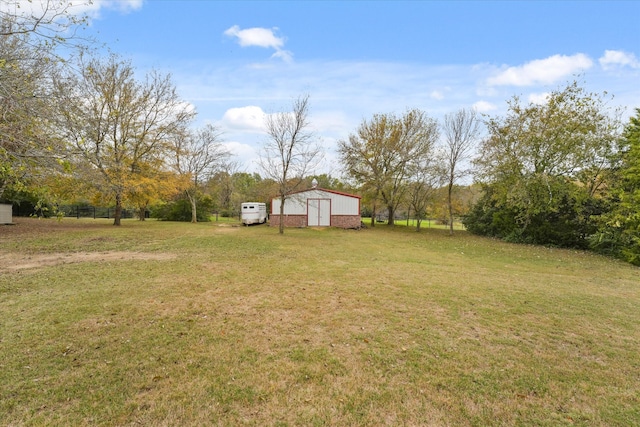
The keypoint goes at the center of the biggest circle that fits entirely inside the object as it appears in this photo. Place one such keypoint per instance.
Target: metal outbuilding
(317, 207)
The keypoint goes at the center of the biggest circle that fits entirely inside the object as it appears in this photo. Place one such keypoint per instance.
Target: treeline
(562, 173)
(85, 129)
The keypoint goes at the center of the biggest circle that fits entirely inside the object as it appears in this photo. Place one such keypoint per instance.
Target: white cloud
(542, 71)
(539, 98)
(484, 106)
(343, 93)
(250, 119)
(261, 37)
(618, 58)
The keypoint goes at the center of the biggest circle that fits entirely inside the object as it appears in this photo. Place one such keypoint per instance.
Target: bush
(618, 237)
(180, 210)
(569, 226)
(27, 203)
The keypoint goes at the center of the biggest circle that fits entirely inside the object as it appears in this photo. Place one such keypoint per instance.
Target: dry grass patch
(12, 261)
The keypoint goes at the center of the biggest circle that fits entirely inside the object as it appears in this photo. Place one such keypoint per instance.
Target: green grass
(412, 222)
(182, 324)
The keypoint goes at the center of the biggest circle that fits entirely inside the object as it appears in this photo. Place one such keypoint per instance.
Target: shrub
(180, 210)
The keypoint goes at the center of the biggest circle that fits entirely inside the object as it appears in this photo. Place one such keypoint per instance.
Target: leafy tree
(152, 187)
(384, 153)
(30, 33)
(221, 187)
(291, 152)
(246, 185)
(544, 162)
(488, 218)
(27, 150)
(230, 189)
(117, 124)
(179, 209)
(619, 232)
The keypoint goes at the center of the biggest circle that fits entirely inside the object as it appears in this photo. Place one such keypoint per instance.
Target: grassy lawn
(168, 324)
(411, 222)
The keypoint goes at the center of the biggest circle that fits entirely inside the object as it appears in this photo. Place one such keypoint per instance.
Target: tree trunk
(391, 221)
(193, 202)
(281, 229)
(142, 210)
(450, 206)
(118, 212)
(373, 216)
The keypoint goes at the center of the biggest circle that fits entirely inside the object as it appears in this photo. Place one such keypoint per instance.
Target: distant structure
(317, 207)
(6, 214)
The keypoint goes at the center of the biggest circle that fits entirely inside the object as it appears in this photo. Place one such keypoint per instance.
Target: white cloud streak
(542, 71)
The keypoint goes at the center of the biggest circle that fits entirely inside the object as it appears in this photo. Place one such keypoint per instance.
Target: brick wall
(289, 220)
(346, 221)
(340, 221)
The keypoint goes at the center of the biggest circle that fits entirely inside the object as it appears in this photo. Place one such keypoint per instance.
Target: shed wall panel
(297, 203)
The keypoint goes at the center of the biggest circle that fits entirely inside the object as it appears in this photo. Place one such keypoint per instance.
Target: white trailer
(254, 213)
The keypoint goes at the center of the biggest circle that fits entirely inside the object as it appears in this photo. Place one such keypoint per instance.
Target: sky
(237, 61)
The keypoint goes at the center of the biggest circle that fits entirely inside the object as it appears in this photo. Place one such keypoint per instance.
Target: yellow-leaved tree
(121, 127)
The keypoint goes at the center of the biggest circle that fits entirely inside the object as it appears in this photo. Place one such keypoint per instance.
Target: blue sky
(236, 61)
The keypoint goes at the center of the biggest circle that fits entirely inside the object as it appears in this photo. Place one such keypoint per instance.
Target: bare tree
(461, 130)
(291, 151)
(198, 156)
(49, 20)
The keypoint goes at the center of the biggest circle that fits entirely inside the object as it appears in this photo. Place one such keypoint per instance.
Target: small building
(6, 214)
(317, 207)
